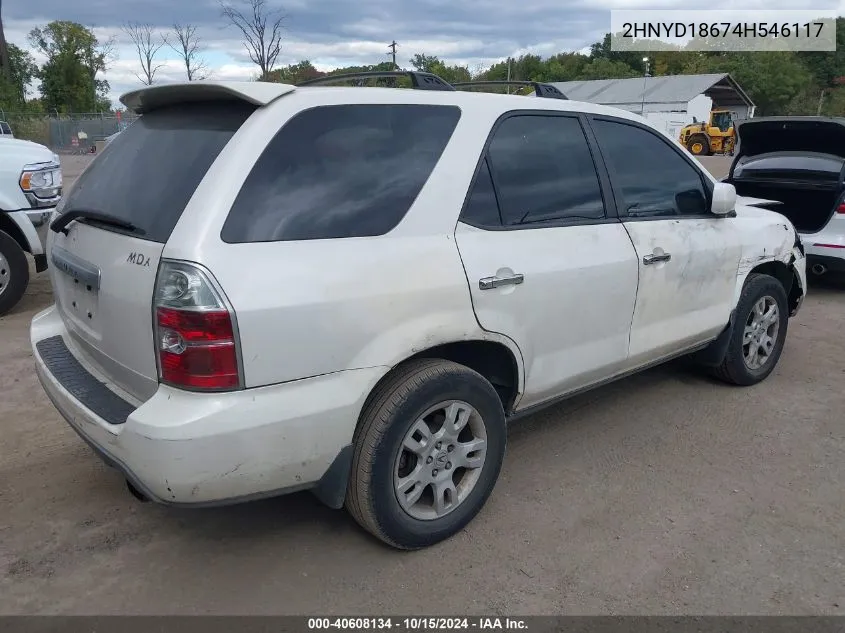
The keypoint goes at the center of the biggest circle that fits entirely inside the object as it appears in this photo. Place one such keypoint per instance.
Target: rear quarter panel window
(340, 171)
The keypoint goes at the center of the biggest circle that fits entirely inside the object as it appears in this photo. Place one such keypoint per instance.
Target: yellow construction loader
(715, 136)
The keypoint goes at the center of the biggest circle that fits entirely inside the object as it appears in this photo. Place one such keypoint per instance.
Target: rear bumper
(181, 448)
(830, 263)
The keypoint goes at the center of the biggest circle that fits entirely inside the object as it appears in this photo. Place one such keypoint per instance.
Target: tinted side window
(482, 208)
(5, 127)
(544, 171)
(653, 178)
(340, 171)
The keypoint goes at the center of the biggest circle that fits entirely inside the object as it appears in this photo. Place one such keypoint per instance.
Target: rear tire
(14, 273)
(407, 454)
(760, 325)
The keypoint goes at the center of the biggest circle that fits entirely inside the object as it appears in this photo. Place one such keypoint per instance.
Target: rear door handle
(488, 283)
(653, 259)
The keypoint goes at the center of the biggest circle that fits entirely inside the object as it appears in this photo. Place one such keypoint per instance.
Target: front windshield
(722, 120)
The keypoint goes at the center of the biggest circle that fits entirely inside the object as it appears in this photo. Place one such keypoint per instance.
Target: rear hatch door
(124, 208)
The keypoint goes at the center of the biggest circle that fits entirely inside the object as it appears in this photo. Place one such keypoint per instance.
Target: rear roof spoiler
(258, 93)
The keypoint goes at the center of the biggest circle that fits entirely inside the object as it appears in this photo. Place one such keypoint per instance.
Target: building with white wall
(670, 101)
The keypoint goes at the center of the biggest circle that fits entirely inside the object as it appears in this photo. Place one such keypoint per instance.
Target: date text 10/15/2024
(417, 624)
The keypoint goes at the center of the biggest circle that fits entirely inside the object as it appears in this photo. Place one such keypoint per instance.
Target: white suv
(263, 288)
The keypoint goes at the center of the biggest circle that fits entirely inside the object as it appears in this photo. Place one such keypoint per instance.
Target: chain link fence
(68, 134)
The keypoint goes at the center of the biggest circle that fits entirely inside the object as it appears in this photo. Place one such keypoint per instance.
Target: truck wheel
(759, 333)
(14, 273)
(428, 452)
(698, 145)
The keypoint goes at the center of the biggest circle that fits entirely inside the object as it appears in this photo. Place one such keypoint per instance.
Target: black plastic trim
(91, 393)
(41, 263)
(419, 80)
(714, 354)
(331, 489)
(541, 89)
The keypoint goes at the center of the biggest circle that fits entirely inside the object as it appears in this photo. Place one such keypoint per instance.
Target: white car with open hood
(796, 166)
(262, 288)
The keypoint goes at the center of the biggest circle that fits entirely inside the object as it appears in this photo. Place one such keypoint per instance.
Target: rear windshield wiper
(59, 225)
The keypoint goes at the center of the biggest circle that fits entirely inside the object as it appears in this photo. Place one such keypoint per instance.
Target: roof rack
(419, 80)
(541, 89)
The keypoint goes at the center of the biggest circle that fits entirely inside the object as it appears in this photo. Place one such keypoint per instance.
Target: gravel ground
(665, 493)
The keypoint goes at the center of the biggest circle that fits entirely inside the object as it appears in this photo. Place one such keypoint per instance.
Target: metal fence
(66, 134)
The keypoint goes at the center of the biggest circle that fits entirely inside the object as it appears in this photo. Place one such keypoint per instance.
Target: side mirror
(724, 199)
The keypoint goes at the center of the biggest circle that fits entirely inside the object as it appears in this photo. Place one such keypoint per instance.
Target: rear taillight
(195, 332)
(841, 208)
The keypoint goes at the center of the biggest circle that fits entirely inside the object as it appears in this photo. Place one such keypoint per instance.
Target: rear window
(5, 128)
(340, 171)
(148, 173)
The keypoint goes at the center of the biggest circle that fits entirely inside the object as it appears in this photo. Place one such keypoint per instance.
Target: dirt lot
(663, 493)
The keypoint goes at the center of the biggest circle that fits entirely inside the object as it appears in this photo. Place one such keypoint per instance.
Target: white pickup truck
(30, 188)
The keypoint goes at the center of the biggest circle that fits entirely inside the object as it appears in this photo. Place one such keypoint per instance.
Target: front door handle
(488, 283)
(655, 258)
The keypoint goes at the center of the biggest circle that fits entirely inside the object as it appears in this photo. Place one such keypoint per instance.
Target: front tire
(698, 145)
(759, 332)
(14, 273)
(428, 452)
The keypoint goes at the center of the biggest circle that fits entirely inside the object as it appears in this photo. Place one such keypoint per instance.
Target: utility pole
(509, 74)
(392, 46)
(645, 76)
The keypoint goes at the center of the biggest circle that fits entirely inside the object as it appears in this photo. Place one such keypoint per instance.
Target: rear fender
(412, 337)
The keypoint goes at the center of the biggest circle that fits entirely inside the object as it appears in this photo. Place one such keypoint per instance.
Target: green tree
(772, 78)
(827, 66)
(432, 64)
(565, 66)
(14, 83)
(603, 68)
(295, 73)
(74, 58)
(604, 50)
(424, 63)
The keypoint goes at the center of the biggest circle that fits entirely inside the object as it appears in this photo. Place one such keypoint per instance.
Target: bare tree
(188, 45)
(147, 47)
(261, 30)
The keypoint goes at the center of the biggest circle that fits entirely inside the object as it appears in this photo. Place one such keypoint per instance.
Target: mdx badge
(139, 259)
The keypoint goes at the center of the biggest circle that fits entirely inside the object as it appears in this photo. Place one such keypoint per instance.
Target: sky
(333, 33)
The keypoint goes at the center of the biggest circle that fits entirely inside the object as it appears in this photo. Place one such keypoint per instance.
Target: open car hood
(820, 135)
